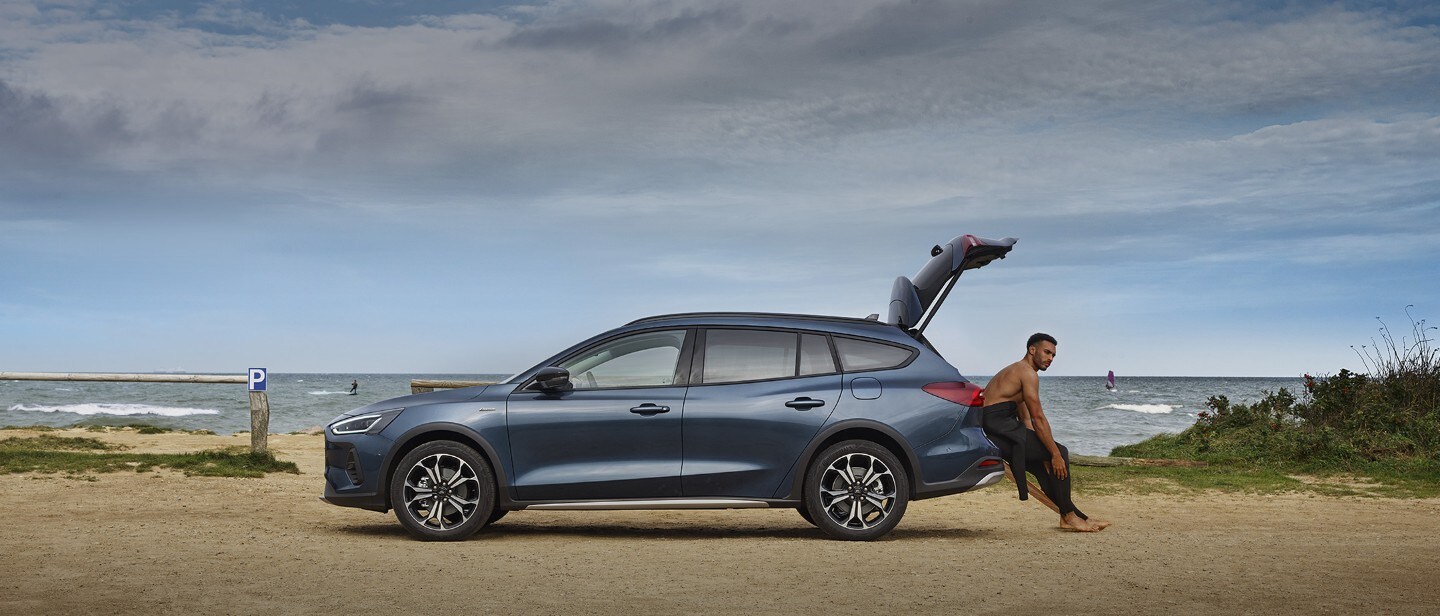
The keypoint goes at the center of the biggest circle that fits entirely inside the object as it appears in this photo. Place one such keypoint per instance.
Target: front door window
(641, 360)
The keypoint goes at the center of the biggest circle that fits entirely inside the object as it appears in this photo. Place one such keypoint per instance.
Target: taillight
(959, 392)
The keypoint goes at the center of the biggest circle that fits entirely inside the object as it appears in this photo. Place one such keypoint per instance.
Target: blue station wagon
(845, 420)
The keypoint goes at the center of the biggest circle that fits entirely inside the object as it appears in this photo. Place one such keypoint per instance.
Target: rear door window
(857, 355)
(733, 355)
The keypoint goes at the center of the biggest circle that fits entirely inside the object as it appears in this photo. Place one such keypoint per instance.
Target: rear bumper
(962, 460)
(977, 476)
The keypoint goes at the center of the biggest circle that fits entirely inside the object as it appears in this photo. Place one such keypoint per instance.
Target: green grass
(76, 456)
(1248, 478)
(142, 428)
(93, 427)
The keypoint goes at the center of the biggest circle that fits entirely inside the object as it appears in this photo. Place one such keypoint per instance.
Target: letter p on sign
(257, 379)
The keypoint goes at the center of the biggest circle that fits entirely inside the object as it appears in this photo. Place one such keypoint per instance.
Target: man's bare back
(1008, 385)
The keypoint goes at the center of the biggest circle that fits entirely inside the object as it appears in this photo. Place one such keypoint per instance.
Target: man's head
(1040, 351)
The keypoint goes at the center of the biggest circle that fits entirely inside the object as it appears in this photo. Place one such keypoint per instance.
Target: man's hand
(1056, 466)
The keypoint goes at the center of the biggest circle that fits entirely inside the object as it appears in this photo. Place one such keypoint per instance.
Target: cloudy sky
(374, 186)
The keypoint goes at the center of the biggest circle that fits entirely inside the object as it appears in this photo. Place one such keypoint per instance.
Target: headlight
(369, 423)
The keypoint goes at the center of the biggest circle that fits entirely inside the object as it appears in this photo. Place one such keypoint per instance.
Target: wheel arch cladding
(873, 435)
(409, 442)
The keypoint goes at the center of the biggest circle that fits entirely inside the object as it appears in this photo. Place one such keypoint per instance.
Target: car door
(615, 433)
(757, 397)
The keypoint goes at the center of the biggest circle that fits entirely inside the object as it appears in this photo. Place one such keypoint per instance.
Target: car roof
(850, 325)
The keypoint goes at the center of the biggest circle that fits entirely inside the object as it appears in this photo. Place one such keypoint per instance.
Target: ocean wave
(100, 408)
(329, 393)
(1152, 409)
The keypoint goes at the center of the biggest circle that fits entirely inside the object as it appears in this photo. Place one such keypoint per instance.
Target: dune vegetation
(1382, 423)
(79, 456)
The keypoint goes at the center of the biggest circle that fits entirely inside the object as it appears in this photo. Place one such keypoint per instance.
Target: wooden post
(259, 421)
(111, 377)
(423, 386)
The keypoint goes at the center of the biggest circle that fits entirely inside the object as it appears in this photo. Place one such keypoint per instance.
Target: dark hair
(1038, 338)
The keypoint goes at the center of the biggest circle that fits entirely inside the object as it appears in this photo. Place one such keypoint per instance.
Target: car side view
(844, 419)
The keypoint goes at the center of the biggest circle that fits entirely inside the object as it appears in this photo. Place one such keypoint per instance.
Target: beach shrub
(76, 456)
(1385, 417)
(50, 442)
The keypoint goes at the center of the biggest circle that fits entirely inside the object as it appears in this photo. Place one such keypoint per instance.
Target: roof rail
(771, 315)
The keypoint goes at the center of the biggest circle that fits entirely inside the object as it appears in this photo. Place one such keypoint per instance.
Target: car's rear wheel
(443, 491)
(805, 513)
(856, 490)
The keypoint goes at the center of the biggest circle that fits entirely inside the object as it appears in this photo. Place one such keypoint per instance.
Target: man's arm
(1030, 389)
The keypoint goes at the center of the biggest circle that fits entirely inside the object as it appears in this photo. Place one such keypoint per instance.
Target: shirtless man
(1015, 423)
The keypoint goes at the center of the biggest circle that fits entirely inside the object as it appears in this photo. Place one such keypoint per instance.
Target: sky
(1198, 188)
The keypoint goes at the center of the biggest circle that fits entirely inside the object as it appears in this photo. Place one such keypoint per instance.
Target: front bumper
(354, 471)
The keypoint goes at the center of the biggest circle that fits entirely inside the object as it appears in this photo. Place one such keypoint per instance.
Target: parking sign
(257, 379)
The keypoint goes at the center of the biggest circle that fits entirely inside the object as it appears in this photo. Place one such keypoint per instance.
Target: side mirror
(553, 379)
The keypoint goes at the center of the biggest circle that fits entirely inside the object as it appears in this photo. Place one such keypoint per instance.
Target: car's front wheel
(856, 490)
(443, 491)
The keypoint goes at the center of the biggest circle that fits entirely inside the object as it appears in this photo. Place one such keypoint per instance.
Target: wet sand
(163, 543)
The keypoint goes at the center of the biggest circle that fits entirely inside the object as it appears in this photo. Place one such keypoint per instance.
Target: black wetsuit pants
(1022, 448)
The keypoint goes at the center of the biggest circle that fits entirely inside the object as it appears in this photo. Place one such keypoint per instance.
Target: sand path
(162, 543)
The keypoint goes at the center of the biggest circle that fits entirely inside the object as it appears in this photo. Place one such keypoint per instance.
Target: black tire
(805, 513)
(496, 515)
(466, 496)
(856, 491)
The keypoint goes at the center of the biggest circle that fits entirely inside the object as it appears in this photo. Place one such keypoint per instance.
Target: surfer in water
(354, 385)
(1016, 424)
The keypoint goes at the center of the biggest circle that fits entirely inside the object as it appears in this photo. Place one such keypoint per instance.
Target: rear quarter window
(857, 355)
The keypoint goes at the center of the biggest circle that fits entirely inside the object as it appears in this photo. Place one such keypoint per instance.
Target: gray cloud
(1162, 161)
(36, 128)
(931, 26)
(612, 36)
(835, 106)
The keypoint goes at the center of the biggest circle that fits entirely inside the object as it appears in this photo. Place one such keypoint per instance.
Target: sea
(1086, 417)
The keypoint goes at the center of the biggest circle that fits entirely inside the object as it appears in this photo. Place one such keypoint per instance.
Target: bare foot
(1099, 524)
(1078, 524)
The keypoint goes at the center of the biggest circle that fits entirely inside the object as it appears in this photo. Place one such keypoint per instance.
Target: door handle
(649, 409)
(804, 404)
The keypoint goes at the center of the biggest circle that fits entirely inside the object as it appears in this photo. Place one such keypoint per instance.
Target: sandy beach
(163, 543)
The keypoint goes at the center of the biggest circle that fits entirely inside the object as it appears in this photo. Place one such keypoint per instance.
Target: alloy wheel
(441, 491)
(857, 491)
